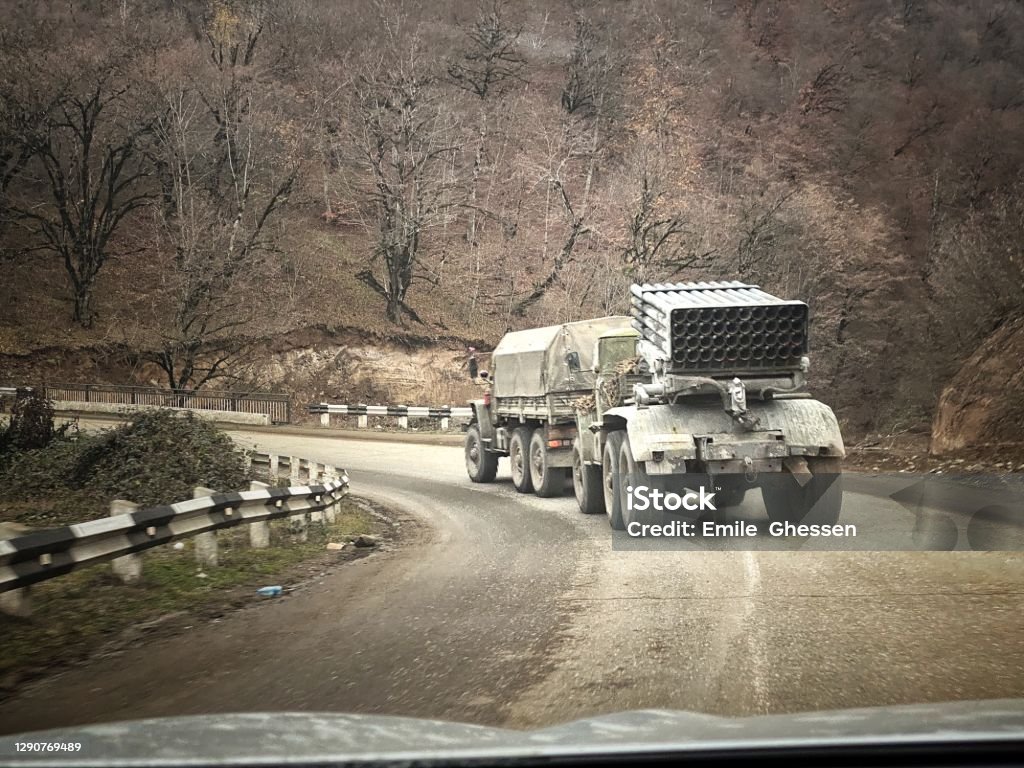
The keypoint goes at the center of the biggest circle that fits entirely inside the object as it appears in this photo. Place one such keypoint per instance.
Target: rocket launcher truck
(702, 385)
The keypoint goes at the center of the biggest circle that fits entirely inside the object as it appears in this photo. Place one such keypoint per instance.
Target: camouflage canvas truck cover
(543, 371)
(536, 377)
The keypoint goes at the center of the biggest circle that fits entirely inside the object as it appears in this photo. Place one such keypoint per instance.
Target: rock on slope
(984, 402)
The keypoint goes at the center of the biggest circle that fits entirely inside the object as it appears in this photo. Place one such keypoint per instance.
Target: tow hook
(749, 472)
(735, 396)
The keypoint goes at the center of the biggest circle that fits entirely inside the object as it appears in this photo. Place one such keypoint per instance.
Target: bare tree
(585, 70)
(825, 92)
(405, 140)
(16, 128)
(657, 240)
(976, 270)
(85, 156)
(227, 171)
(759, 232)
(233, 29)
(575, 228)
(491, 59)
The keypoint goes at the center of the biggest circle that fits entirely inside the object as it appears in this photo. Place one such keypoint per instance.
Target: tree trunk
(395, 308)
(83, 307)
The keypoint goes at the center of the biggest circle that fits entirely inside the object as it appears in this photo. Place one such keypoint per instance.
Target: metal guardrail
(402, 412)
(43, 555)
(276, 406)
(414, 411)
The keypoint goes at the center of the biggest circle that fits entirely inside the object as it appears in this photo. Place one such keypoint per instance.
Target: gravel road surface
(503, 609)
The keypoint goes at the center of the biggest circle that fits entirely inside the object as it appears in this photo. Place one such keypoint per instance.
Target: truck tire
(633, 473)
(547, 481)
(519, 458)
(610, 480)
(730, 496)
(586, 483)
(481, 464)
(819, 502)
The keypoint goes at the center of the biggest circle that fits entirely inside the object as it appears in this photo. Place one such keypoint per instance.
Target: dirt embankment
(984, 402)
(311, 364)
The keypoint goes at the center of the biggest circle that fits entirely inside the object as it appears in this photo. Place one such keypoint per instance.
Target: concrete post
(300, 526)
(275, 467)
(259, 532)
(325, 419)
(330, 474)
(444, 424)
(206, 543)
(316, 477)
(363, 421)
(128, 568)
(16, 602)
(403, 422)
(295, 465)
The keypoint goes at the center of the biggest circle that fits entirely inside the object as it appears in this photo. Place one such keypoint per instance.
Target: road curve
(505, 609)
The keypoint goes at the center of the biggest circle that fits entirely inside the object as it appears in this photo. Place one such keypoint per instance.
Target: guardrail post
(16, 602)
(330, 473)
(325, 419)
(445, 421)
(275, 466)
(295, 468)
(259, 532)
(128, 568)
(316, 477)
(299, 523)
(362, 422)
(206, 543)
(403, 422)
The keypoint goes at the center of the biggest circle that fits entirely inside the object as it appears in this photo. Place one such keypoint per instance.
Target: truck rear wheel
(730, 496)
(519, 458)
(586, 483)
(610, 480)
(818, 502)
(547, 481)
(632, 473)
(481, 464)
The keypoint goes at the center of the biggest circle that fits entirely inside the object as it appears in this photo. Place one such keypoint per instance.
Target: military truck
(702, 385)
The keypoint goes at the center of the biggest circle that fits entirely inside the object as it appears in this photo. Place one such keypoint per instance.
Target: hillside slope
(295, 172)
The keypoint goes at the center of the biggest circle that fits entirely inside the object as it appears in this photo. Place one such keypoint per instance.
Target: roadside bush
(31, 423)
(157, 458)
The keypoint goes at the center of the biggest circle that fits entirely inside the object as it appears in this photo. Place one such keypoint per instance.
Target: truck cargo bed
(557, 405)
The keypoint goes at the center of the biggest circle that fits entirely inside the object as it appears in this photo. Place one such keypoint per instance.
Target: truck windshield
(612, 350)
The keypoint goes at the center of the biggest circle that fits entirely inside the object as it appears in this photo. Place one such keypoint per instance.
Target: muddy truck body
(701, 386)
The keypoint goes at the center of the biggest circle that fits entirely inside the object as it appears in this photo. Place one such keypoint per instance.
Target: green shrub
(31, 423)
(157, 458)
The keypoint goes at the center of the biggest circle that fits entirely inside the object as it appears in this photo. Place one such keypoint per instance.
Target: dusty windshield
(508, 363)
